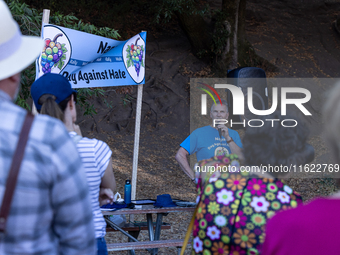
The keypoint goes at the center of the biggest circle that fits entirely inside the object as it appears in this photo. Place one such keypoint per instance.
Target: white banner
(92, 61)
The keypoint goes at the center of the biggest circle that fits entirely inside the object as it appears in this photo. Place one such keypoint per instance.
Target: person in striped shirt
(52, 95)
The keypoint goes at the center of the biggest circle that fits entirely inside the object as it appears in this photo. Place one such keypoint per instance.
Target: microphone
(220, 133)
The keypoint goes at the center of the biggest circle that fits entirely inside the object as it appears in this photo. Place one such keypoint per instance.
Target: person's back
(95, 155)
(50, 208)
(312, 228)
(49, 212)
(309, 229)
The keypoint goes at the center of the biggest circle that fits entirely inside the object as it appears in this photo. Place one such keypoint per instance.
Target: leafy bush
(30, 21)
(165, 9)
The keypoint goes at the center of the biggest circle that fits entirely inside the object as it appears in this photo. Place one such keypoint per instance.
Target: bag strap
(189, 231)
(14, 171)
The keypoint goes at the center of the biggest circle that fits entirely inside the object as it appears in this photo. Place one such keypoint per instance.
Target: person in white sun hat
(16, 51)
(50, 211)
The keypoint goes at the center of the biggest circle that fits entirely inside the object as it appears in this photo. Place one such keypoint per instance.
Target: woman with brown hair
(53, 95)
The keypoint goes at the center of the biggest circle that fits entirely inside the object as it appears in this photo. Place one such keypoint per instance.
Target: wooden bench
(137, 227)
(134, 228)
(146, 245)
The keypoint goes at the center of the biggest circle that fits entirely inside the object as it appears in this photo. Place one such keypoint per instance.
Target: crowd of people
(64, 177)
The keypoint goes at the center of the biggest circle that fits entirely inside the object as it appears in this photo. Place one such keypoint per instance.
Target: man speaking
(210, 141)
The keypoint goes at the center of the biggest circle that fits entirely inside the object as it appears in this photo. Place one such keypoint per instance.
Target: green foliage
(97, 12)
(29, 21)
(27, 77)
(165, 9)
(127, 99)
(84, 94)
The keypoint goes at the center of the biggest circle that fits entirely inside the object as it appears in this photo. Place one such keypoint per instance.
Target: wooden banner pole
(136, 142)
(46, 20)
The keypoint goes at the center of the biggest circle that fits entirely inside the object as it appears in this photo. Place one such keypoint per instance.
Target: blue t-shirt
(206, 142)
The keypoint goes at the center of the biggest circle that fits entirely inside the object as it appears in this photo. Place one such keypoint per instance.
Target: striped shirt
(95, 155)
(50, 208)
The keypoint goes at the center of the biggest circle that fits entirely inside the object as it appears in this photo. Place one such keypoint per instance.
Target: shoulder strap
(14, 171)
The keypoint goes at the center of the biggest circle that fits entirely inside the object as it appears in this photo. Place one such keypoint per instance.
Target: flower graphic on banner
(258, 219)
(288, 189)
(225, 197)
(201, 210)
(260, 204)
(213, 233)
(236, 182)
(213, 208)
(220, 220)
(244, 238)
(276, 205)
(203, 223)
(198, 244)
(283, 197)
(201, 234)
(256, 187)
(272, 187)
(220, 248)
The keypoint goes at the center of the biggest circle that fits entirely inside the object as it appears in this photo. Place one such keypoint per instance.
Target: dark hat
(51, 83)
(164, 201)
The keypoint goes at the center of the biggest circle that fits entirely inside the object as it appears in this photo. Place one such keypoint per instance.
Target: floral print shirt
(233, 207)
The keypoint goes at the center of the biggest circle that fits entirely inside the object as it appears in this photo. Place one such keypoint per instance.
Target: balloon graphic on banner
(134, 57)
(56, 52)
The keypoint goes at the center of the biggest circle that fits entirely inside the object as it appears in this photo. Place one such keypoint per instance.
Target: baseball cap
(51, 83)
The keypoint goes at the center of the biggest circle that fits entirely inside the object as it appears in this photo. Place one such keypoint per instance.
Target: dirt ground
(296, 36)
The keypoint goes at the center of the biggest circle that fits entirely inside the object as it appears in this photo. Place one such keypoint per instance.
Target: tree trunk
(235, 25)
(242, 22)
(246, 54)
(196, 29)
(236, 50)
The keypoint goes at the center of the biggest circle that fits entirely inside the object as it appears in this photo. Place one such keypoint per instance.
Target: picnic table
(154, 231)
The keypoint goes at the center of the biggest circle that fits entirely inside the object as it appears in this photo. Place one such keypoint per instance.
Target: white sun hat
(16, 51)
